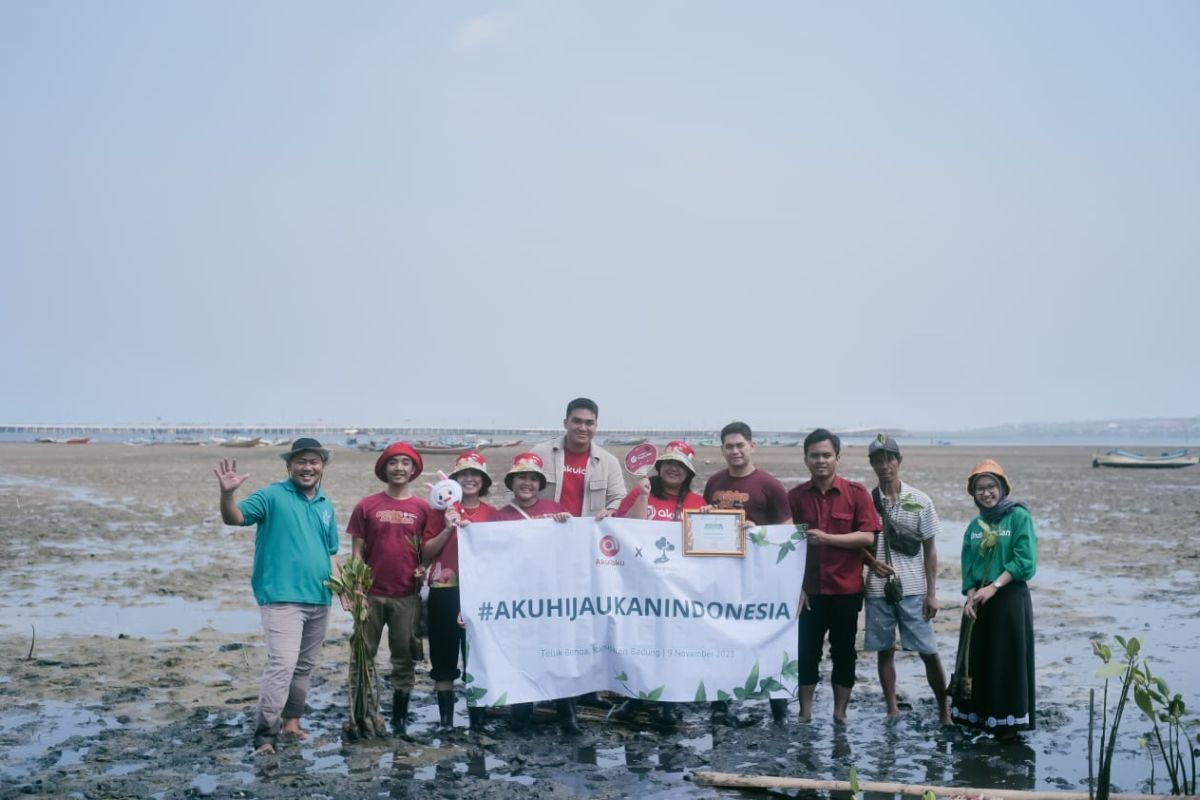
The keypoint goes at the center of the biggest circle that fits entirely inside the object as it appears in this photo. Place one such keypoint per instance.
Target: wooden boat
(79, 440)
(241, 441)
(509, 443)
(435, 449)
(1123, 458)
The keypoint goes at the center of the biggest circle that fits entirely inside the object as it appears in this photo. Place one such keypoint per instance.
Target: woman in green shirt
(993, 685)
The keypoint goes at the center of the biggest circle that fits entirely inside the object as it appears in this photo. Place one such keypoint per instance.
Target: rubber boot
(519, 715)
(664, 714)
(400, 713)
(779, 708)
(445, 701)
(478, 718)
(720, 713)
(566, 718)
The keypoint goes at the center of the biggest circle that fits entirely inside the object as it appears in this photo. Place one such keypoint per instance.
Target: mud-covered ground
(143, 675)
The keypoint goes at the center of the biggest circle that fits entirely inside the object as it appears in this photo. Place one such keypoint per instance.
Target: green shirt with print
(1015, 550)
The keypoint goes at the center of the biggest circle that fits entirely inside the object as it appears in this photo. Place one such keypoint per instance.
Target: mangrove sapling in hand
(365, 720)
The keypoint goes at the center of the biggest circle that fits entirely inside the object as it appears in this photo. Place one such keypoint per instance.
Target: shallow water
(143, 557)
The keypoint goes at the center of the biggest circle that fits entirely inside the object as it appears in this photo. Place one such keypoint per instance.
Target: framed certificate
(719, 532)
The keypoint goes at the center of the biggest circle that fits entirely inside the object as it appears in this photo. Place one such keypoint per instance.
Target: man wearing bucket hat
(386, 530)
(440, 552)
(525, 479)
(580, 474)
(905, 553)
(295, 552)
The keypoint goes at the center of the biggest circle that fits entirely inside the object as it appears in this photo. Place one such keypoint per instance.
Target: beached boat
(509, 443)
(435, 448)
(241, 441)
(624, 442)
(78, 440)
(1124, 458)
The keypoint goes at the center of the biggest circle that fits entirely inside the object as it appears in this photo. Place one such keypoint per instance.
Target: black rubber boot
(665, 715)
(779, 706)
(478, 718)
(445, 700)
(400, 713)
(566, 718)
(519, 715)
(720, 713)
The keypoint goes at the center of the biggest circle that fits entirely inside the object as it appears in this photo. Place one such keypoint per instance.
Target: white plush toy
(446, 493)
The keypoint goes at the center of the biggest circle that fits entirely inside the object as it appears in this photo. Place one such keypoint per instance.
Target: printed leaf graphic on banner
(701, 695)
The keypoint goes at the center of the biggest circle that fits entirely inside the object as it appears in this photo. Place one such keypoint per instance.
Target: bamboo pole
(736, 780)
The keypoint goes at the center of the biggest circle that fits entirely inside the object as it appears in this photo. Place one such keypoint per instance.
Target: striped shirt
(909, 569)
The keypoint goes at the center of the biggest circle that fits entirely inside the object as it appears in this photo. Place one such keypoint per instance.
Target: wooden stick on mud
(739, 781)
(32, 641)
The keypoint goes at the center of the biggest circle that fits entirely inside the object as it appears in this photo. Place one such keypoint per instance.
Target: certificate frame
(724, 532)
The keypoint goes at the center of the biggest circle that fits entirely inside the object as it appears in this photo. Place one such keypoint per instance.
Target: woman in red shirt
(440, 553)
(666, 495)
(662, 497)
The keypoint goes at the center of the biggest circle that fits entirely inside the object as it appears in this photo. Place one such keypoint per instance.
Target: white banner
(557, 609)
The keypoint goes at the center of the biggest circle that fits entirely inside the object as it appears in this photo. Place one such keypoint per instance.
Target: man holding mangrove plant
(295, 552)
(386, 530)
(905, 554)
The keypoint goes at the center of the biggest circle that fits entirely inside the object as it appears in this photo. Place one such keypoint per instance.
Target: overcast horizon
(933, 217)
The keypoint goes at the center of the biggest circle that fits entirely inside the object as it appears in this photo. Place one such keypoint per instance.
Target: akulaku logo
(609, 547)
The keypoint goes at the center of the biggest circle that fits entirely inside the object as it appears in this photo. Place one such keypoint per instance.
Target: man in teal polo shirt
(295, 552)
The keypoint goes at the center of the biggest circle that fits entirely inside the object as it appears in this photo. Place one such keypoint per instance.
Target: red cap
(398, 449)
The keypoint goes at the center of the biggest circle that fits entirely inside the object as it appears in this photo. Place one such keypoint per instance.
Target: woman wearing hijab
(993, 686)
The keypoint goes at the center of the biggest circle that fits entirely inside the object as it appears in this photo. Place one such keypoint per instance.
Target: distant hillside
(1179, 428)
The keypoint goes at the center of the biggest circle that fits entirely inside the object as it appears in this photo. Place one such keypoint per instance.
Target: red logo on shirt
(609, 547)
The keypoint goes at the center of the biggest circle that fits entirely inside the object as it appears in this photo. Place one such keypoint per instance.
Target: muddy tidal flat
(130, 647)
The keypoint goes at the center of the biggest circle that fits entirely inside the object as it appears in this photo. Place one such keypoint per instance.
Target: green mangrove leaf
(1142, 698)
(770, 685)
(1113, 669)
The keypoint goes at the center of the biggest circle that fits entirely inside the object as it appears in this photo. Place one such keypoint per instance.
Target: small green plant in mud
(1154, 698)
(1165, 711)
(365, 720)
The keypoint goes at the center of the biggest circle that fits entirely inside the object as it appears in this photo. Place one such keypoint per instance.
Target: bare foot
(839, 720)
(806, 717)
(893, 714)
(265, 749)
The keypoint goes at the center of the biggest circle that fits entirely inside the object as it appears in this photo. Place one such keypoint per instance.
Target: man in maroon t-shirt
(841, 521)
(762, 497)
(386, 530)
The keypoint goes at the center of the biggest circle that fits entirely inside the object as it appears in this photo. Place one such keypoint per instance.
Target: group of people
(889, 533)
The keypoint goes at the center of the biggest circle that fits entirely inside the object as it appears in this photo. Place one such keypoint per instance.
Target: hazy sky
(935, 214)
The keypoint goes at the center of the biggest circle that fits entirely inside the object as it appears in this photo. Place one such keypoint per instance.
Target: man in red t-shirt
(757, 492)
(582, 475)
(386, 530)
(841, 521)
